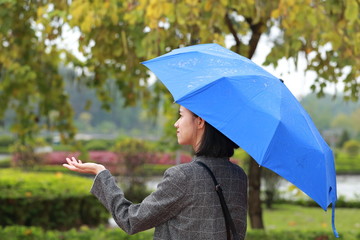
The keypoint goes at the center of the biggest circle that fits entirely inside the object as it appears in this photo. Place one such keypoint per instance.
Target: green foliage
(134, 153)
(52, 201)
(345, 163)
(98, 144)
(6, 141)
(271, 182)
(344, 137)
(136, 191)
(5, 163)
(329, 112)
(26, 156)
(352, 147)
(101, 233)
(34, 233)
(30, 83)
(116, 36)
(154, 169)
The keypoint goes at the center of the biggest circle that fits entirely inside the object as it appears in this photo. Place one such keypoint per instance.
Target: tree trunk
(255, 210)
(254, 175)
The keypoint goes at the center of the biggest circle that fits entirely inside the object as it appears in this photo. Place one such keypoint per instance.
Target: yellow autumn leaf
(224, 2)
(191, 2)
(208, 5)
(168, 9)
(40, 12)
(77, 11)
(150, 11)
(114, 18)
(290, 2)
(351, 10)
(275, 13)
(87, 22)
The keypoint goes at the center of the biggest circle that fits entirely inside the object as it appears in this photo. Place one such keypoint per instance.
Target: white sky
(296, 80)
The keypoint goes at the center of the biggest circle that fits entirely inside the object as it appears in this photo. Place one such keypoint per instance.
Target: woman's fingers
(73, 165)
(78, 166)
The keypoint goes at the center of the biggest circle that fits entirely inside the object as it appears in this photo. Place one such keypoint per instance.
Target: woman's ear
(200, 122)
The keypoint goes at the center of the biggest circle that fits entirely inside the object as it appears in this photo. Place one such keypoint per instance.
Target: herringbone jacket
(185, 205)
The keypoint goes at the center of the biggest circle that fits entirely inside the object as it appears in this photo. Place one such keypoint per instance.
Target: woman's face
(189, 128)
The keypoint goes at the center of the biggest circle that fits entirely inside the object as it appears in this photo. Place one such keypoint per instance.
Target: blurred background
(72, 84)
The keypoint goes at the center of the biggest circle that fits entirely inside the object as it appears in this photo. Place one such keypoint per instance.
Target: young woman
(185, 204)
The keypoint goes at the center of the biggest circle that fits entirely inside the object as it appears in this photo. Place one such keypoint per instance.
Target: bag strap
(228, 220)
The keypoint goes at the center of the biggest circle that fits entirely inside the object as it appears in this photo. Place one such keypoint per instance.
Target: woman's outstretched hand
(77, 166)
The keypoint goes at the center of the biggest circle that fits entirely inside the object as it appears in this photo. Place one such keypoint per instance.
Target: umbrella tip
(281, 80)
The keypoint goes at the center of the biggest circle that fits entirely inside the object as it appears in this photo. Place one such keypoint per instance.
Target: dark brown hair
(215, 144)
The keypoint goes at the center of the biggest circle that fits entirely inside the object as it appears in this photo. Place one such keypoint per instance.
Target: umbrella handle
(336, 234)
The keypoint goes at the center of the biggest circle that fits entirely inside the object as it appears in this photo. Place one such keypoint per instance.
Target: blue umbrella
(255, 110)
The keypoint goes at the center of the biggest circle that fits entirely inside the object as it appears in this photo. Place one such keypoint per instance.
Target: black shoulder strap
(228, 220)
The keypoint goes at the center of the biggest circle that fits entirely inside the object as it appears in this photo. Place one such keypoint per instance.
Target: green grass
(292, 217)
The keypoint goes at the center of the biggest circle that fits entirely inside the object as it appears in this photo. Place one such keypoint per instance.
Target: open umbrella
(255, 110)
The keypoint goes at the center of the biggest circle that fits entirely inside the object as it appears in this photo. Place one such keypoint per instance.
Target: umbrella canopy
(255, 110)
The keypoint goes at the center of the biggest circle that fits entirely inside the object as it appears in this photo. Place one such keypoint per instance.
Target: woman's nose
(176, 124)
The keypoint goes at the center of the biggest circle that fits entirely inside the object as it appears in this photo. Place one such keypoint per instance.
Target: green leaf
(352, 10)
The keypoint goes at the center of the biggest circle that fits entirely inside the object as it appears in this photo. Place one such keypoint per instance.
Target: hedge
(102, 233)
(51, 201)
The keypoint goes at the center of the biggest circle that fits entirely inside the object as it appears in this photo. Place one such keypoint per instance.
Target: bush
(5, 163)
(6, 141)
(98, 144)
(51, 201)
(101, 233)
(352, 147)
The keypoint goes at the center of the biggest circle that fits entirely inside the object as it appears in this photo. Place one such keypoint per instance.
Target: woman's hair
(215, 144)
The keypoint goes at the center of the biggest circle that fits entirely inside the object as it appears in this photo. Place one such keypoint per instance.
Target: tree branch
(256, 30)
(230, 25)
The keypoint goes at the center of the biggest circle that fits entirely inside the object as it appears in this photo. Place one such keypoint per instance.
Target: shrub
(133, 153)
(51, 201)
(101, 233)
(97, 144)
(6, 141)
(5, 163)
(352, 147)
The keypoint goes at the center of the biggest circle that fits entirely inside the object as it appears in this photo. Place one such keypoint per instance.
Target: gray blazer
(185, 205)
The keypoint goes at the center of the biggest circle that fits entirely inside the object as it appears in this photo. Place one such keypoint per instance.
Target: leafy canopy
(115, 36)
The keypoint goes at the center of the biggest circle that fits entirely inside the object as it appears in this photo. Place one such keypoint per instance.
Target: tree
(116, 35)
(29, 81)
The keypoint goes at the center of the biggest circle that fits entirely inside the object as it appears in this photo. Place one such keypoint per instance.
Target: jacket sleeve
(157, 208)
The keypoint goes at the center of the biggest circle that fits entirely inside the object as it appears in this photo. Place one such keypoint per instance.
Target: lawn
(293, 217)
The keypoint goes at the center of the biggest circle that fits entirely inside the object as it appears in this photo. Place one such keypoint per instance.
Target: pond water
(4, 156)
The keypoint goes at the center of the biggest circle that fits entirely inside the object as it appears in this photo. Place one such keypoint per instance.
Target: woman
(185, 204)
